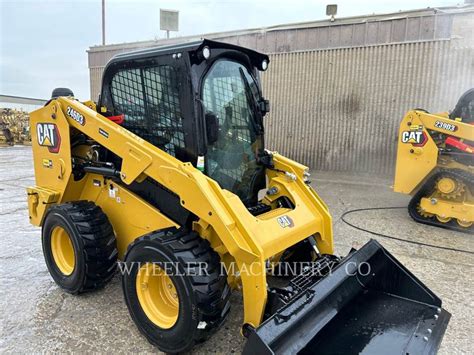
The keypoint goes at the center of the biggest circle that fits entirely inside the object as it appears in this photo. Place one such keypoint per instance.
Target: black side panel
(166, 201)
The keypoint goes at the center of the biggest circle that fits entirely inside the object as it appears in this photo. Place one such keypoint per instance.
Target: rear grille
(312, 273)
(258, 209)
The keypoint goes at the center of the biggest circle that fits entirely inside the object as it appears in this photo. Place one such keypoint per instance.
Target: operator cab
(464, 109)
(197, 101)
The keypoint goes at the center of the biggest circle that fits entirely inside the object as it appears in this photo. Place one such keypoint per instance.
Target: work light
(206, 52)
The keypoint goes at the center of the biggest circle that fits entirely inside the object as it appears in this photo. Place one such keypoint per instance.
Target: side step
(353, 311)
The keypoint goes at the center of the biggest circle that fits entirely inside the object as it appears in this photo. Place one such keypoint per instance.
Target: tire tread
(99, 246)
(212, 291)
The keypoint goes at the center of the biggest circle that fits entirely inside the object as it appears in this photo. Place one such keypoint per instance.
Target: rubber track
(428, 188)
(210, 287)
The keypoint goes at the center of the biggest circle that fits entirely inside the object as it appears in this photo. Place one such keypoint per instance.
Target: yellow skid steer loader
(435, 165)
(168, 173)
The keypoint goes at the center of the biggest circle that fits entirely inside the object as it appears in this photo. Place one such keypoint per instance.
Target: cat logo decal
(416, 136)
(48, 136)
(285, 221)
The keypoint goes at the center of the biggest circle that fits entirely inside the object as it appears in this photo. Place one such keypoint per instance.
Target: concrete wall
(339, 90)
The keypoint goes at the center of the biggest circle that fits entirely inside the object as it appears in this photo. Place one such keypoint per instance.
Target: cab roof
(255, 57)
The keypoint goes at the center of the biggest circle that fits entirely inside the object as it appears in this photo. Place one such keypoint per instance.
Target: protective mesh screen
(149, 99)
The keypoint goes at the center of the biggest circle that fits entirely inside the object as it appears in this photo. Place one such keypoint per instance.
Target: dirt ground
(36, 316)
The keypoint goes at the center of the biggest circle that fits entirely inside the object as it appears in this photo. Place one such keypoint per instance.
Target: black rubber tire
(202, 297)
(94, 244)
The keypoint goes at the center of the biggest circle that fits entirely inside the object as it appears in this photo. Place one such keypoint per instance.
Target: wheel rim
(443, 219)
(450, 188)
(63, 250)
(157, 295)
(464, 224)
(446, 185)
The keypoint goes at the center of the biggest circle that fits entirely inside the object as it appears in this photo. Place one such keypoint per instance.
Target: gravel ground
(36, 316)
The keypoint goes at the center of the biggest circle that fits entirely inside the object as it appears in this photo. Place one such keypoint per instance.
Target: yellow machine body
(234, 233)
(169, 168)
(420, 157)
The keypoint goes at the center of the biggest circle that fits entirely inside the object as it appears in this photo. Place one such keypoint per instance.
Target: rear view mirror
(212, 127)
(264, 106)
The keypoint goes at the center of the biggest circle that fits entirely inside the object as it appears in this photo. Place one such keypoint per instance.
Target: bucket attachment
(369, 303)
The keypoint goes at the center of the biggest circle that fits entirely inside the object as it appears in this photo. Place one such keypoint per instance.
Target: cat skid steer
(168, 173)
(435, 165)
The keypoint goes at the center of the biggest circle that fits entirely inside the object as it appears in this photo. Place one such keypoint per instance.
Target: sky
(43, 43)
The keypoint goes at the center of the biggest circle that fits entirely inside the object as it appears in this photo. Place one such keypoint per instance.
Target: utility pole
(103, 22)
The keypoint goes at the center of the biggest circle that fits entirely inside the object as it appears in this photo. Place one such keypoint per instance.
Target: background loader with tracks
(168, 172)
(435, 164)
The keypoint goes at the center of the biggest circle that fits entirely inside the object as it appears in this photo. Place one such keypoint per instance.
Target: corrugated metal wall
(403, 27)
(338, 92)
(340, 109)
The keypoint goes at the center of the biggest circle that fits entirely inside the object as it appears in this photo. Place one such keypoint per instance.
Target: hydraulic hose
(392, 237)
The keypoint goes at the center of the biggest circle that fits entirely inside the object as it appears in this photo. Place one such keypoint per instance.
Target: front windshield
(231, 93)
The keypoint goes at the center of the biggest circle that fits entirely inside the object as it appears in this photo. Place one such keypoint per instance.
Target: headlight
(264, 64)
(206, 52)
